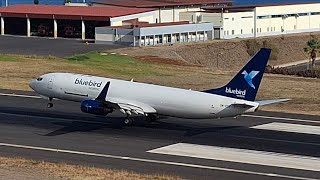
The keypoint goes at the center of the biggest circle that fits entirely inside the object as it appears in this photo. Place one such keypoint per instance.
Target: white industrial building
(255, 21)
(145, 34)
(166, 10)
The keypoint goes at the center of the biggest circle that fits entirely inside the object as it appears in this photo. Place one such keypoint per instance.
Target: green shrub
(286, 71)
(253, 46)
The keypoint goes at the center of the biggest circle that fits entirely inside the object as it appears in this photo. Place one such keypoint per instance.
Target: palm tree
(313, 47)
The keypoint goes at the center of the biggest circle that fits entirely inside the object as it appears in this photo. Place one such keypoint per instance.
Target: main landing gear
(149, 118)
(128, 121)
(50, 104)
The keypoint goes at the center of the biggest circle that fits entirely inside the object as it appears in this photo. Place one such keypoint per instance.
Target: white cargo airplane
(101, 96)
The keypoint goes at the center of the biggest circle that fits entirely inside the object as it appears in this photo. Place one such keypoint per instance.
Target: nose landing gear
(50, 104)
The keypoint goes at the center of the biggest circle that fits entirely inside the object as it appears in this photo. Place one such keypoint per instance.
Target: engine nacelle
(94, 107)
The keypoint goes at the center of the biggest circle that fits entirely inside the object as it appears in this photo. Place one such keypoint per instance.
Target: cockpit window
(39, 79)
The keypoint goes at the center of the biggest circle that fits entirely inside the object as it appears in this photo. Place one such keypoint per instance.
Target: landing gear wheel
(128, 122)
(49, 105)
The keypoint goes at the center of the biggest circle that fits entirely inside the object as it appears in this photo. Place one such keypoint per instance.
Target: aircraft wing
(130, 106)
(126, 106)
(273, 101)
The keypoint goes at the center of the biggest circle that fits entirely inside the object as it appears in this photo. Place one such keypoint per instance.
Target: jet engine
(94, 107)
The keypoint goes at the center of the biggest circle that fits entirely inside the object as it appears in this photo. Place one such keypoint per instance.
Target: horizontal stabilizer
(242, 106)
(273, 101)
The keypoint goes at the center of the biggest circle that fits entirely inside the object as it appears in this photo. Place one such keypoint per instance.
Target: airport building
(158, 22)
(261, 20)
(145, 34)
(66, 21)
(166, 10)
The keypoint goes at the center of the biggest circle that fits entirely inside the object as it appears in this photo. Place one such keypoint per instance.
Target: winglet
(103, 94)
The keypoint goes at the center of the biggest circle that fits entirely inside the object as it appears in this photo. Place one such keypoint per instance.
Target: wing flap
(132, 106)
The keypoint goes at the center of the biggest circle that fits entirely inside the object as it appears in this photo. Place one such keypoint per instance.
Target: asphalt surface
(64, 134)
(47, 47)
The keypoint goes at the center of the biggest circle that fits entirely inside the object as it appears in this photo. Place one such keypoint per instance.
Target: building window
(241, 31)
(315, 13)
(156, 20)
(260, 30)
(267, 29)
(232, 19)
(232, 32)
(295, 27)
(263, 17)
(252, 30)
(303, 14)
(276, 16)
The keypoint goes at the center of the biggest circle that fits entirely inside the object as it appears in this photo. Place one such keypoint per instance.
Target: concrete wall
(239, 24)
(146, 17)
(114, 36)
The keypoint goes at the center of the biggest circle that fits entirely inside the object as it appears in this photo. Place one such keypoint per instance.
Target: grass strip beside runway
(15, 168)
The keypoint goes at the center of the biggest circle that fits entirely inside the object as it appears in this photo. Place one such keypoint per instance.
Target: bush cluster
(253, 46)
(286, 71)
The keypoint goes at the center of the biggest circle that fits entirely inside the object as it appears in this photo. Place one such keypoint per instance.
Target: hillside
(227, 54)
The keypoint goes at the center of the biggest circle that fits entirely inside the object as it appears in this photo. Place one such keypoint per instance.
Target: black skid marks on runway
(75, 126)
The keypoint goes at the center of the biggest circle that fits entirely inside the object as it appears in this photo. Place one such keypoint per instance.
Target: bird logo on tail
(249, 77)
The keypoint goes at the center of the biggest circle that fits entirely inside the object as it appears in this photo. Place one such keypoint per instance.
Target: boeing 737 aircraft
(101, 96)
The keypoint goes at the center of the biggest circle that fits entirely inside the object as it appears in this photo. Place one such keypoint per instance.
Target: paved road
(260, 146)
(302, 67)
(45, 46)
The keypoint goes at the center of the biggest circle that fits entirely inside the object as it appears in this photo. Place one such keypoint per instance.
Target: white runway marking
(19, 95)
(286, 127)
(281, 118)
(241, 156)
(151, 161)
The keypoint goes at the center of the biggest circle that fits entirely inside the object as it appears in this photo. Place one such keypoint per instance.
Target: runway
(264, 145)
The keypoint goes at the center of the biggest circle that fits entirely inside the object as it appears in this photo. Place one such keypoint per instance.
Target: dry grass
(304, 92)
(40, 169)
(15, 74)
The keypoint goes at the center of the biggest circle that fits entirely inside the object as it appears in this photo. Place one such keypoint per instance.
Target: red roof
(246, 7)
(69, 12)
(159, 3)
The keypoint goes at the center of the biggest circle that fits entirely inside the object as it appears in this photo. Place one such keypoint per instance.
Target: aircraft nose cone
(32, 84)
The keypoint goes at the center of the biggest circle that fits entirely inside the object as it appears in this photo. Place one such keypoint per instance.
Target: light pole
(6, 3)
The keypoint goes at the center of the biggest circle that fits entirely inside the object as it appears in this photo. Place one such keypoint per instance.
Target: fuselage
(165, 100)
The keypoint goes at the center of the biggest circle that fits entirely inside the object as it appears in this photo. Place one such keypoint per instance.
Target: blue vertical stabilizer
(246, 83)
